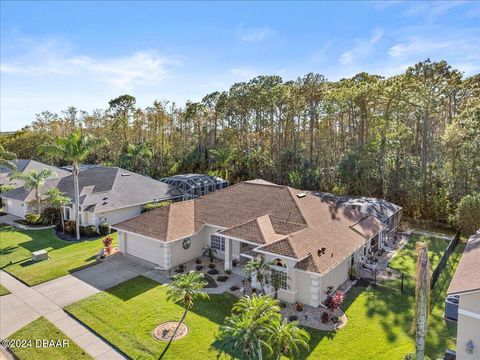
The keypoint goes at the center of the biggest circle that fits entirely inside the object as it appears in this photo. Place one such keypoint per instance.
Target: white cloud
(361, 49)
(52, 57)
(254, 34)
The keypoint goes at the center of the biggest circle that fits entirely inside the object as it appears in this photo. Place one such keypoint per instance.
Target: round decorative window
(186, 243)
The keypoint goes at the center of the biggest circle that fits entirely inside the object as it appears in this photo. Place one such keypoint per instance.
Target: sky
(59, 54)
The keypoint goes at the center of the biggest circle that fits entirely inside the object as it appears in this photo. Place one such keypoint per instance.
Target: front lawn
(3, 291)
(16, 247)
(406, 259)
(42, 329)
(127, 314)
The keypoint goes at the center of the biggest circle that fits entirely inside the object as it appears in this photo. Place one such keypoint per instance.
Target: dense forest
(413, 139)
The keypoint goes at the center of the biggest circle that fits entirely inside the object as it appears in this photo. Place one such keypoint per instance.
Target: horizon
(183, 51)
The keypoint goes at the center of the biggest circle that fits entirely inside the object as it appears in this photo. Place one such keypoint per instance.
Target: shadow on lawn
(131, 288)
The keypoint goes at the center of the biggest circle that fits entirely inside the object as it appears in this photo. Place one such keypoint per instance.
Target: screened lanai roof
(195, 185)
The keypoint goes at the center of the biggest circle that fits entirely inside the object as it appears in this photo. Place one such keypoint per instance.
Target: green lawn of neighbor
(16, 248)
(127, 314)
(406, 259)
(42, 329)
(3, 291)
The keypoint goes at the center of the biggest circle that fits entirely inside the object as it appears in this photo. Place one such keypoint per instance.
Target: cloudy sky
(55, 54)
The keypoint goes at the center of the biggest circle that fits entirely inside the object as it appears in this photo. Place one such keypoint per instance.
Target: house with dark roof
(112, 194)
(311, 243)
(466, 285)
(18, 201)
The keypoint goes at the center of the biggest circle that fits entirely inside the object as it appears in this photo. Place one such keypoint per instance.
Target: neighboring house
(312, 242)
(111, 194)
(466, 285)
(388, 213)
(18, 201)
(196, 185)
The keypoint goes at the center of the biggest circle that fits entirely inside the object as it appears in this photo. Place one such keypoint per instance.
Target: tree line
(413, 138)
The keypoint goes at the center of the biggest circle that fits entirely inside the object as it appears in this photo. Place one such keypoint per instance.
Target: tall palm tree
(74, 148)
(136, 157)
(422, 299)
(222, 157)
(6, 158)
(246, 332)
(287, 339)
(185, 289)
(258, 268)
(33, 181)
(58, 200)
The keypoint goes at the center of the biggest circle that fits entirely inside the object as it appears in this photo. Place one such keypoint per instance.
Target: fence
(443, 261)
(391, 279)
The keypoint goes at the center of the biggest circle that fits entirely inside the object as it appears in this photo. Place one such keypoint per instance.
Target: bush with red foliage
(107, 242)
(337, 300)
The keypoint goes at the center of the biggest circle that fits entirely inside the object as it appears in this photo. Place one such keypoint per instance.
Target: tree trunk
(77, 200)
(174, 333)
(422, 300)
(62, 217)
(39, 201)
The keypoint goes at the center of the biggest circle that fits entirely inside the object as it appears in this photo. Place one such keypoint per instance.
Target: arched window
(279, 262)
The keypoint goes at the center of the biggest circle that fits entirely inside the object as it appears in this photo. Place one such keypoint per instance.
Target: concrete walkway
(25, 304)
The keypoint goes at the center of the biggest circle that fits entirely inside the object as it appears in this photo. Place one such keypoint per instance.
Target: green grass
(379, 321)
(42, 329)
(3, 291)
(406, 259)
(127, 314)
(16, 248)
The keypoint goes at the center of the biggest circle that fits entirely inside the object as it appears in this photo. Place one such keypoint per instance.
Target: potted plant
(325, 317)
(210, 253)
(211, 265)
(199, 267)
(234, 262)
(228, 271)
(299, 306)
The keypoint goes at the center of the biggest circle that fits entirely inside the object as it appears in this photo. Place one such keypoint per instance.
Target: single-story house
(312, 243)
(388, 213)
(18, 201)
(466, 285)
(112, 194)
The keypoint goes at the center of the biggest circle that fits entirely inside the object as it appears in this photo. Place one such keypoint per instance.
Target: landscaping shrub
(234, 288)
(325, 317)
(82, 230)
(107, 242)
(50, 215)
(213, 272)
(222, 278)
(211, 265)
(337, 300)
(198, 261)
(104, 228)
(199, 267)
(228, 271)
(70, 227)
(152, 206)
(91, 230)
(292, 318)
(335, 319)
(283, 304)
(32, 218)
(299, 306)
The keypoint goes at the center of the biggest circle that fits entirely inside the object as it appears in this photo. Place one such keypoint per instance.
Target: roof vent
(301, 195)
(105, 198)
(321, 251)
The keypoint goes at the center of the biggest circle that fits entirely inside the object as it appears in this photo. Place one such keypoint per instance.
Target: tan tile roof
(467, 276)
(270, 215)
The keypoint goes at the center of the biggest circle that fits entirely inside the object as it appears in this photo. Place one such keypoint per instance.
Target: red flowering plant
(107, 243)
(337, 300)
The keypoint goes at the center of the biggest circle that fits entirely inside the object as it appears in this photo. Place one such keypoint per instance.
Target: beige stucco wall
(179, 255)
(468, 326)
(335, 277)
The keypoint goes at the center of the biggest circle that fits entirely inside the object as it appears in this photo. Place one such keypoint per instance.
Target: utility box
(39, 255)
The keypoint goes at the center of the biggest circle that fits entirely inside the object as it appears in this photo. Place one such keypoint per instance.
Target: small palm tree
(185, 289)
(74, 148)
(33, 181)
(258, 268)
(246, 332)
(58, 200)
(210, 252)
(136, 157)
(287, 339)
(422, 299)
(222, 157)
(6, 158)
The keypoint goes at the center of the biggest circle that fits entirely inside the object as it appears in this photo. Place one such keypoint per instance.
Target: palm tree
(136, 157)
(246, 332)
(6, 158)
(185, 289)
(287, 338)
(422, 299)
(58, 200)
(258, 268)
(74, 148)
(33, 181)
(222, 157)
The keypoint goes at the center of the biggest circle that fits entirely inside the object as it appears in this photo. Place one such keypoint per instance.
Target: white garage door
(144, 248)
(15, 207)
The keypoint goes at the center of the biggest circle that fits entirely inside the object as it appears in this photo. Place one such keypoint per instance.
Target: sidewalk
(9, 219)
(25, 304)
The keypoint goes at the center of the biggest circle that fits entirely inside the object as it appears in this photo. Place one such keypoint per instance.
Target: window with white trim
(281, 276)
(217, 242)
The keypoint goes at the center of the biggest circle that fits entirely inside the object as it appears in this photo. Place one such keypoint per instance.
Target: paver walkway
(25, 304)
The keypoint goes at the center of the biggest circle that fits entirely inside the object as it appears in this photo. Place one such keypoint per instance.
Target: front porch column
(228, 254)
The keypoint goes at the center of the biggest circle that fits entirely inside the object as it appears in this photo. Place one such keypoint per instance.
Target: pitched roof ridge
(309, 258)
(283, 239)
(264, 183)
(294, 197)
